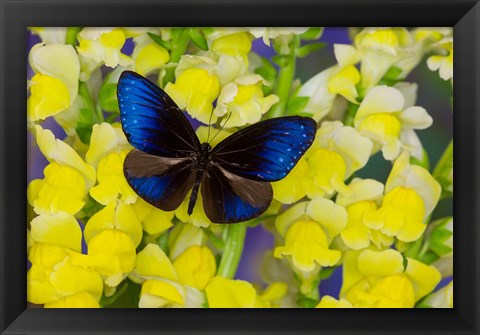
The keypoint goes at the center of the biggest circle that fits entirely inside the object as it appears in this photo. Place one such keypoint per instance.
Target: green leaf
(307, 49)
(306, 302)
(107, 97)
(85, 123)
(429, 257)
(198, 39)
(208, 30)
(164, 44)
(267, 70)
(312, 33)
(424, 162)
(296, 105)
(162, 242)
(327, 272)
(439, 248)
(440, 235)
(105, 301)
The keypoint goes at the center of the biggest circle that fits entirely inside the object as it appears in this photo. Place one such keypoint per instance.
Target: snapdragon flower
(55, 83)
(382, 117)
(379, 279)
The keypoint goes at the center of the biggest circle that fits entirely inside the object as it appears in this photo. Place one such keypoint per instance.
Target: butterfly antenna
(209, 125)
(221, 128)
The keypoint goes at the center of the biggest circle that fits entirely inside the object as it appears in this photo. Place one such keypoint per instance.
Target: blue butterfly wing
(151, 120)
(268, 150)
(162, 182)
(229, 198)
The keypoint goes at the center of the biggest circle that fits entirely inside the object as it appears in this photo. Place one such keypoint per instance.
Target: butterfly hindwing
(151, 120)
(162, 182)
(229, 198)
(268, 150)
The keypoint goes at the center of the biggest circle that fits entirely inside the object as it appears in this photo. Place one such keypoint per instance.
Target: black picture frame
(17, 15)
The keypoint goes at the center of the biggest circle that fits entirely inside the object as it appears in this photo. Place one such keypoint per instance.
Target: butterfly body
(169, 161)
(202, 160)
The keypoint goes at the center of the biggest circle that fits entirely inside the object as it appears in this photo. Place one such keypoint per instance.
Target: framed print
(175, 165)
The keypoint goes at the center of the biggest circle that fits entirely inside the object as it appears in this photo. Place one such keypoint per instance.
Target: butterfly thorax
(202, 161)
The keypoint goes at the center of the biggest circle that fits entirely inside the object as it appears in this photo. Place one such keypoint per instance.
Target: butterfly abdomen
(202, 161)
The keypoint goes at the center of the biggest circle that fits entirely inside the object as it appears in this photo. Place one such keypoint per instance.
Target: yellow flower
(230, 53)
(50, 35)
(267, 33)
(244, 99)
(182, 236)
(308, 229)
(382, 117)
(346, 76)
(59, 229)
(160, 285)
(156, 293)
(443, 63)
(379, 49)
(116, 215)
(307, 243)
(112, 184)
(364, 197)
(272, 296)
(148, 55)
(195, 90)
(49, 96)
(320, 98)
(154, 221)
(401, 215)
(229, 293)
(330, 302)
(108, 149)
(79, 300)
(55, 83)
(112, 254)
(63, 189)
(54, 276)
(442, 298)
(236, 44)
(153, 262)
(336, 154)
(411, 194)
(105, 139)
(103, 45)
(61, 153)
(195, 266)
(378, 279)
(294, 186)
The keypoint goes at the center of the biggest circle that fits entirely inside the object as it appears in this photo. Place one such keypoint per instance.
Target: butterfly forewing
(151, 120)
(268, 150)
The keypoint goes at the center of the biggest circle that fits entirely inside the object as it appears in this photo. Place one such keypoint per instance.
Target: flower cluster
(93, 242)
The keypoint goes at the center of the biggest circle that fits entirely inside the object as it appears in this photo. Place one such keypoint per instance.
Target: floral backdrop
(363, 220)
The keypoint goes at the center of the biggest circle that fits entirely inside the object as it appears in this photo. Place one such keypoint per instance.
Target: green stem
(447, 157)
(233, 250)
(179, 47)
(284, 82)
(350, 114)
(71, 36)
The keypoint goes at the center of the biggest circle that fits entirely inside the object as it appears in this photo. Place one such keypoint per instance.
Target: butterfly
(168, 159)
